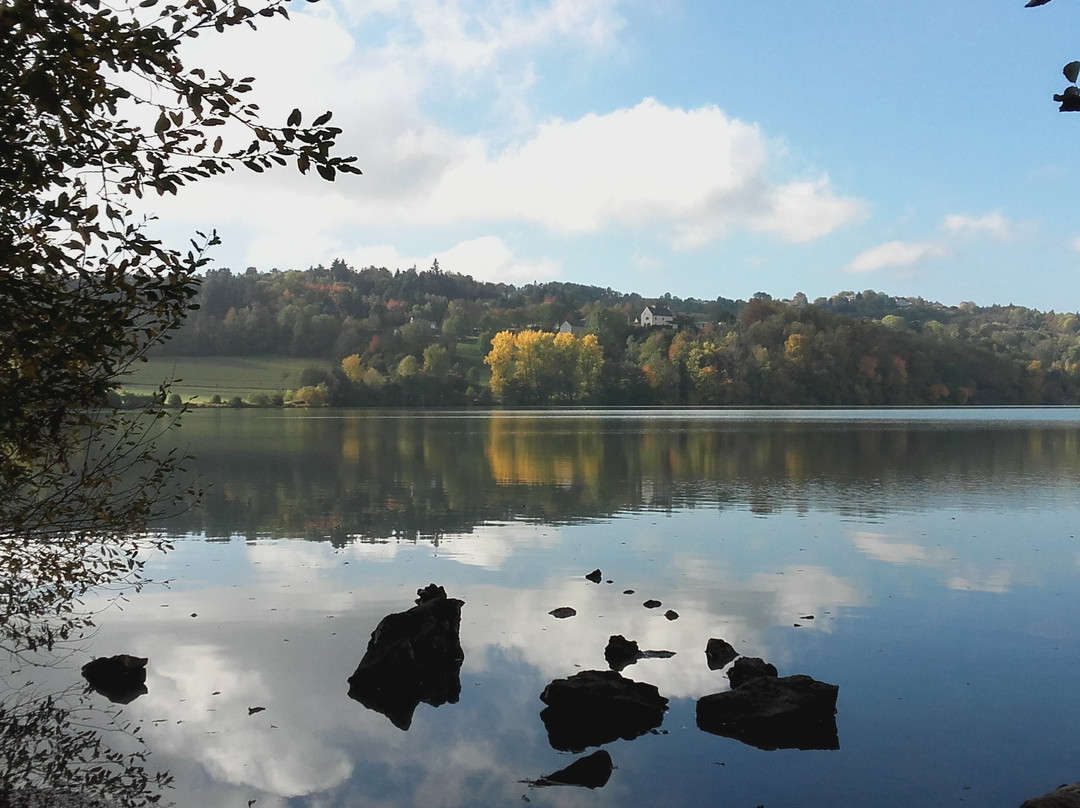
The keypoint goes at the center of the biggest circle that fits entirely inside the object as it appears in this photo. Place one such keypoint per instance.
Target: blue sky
(699, 148)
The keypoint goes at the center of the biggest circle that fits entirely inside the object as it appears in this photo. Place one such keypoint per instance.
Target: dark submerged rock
(121, 678)
(795, 712)
(1061, 797)
(413, 656)
(719, 653)
(747, 668)
(621, 652)
(657, 654)
(592, 708)
(591, 771)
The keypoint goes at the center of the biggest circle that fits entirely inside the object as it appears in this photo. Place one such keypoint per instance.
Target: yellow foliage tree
(538, 367)
(353, 367)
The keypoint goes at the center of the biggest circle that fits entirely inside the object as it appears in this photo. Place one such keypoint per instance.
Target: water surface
(925, 561)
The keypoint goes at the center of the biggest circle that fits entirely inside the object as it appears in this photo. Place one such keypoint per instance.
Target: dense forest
(411, 337)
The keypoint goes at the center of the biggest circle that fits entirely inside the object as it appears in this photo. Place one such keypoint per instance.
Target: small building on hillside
(657, 316)
(572, 325)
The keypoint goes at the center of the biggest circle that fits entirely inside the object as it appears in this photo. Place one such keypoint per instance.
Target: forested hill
(406, 337)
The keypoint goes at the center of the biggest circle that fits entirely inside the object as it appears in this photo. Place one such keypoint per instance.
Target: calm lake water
(925, 561)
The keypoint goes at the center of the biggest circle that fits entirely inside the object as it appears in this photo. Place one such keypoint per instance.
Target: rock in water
(413, 656)
(592, 708)
(747, 668)
(719, 653)
(120, 679)
(621, 652)
(1063, 797)
(591, 771)
(595, 576)
(795, 712)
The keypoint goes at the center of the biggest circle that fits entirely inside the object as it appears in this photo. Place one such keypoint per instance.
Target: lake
(924, 561)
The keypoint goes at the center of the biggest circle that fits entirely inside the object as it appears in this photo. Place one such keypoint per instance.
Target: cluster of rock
(592, 708)
(770, 712)
(416, 656)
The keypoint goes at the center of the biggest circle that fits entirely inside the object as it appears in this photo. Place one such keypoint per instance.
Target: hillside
(375, 337)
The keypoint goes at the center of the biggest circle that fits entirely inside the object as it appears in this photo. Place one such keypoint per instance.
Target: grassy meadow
(199, 378)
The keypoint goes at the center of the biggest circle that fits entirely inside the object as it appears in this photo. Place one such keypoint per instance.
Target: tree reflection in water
(64, 745)
(371, 476)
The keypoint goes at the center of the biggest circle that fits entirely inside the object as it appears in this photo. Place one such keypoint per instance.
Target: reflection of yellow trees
(351, 441)
(529, 452)
(538, 367)
(375, 474)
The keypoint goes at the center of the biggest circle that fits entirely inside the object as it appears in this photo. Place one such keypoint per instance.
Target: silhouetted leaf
(1033, 3)
(1069, 100)
(326, 172)
(1072, 71)
(294, 118)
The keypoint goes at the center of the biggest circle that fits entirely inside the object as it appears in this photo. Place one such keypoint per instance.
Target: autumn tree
(538, 367)
(97, 110)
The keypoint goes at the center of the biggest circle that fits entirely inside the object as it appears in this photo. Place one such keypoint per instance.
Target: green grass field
(199, 378)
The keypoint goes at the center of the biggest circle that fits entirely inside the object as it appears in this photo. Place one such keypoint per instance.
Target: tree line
(424, 337)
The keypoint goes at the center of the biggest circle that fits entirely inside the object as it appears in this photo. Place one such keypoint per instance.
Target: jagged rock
(592, 708)
(747, 668)
(595, 576)
(621, 652)
(795, 712)
(1061, 797)
(413, 656)
(591, 771)
(719, 653)
(120, 679)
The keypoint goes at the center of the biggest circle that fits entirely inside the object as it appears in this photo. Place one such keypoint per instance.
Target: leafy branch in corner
(1069, 98)
(98, 109)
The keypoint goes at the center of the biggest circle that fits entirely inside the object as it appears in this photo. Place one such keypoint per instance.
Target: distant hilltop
(409, 336)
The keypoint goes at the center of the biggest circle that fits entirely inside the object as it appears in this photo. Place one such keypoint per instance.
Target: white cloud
(465, 38)
(996, 582)
(881, 547)
(953, 232)
(992, 224)
(697, 172)
(896, 253)
(486, 258)
(806, 211)
(691, 175)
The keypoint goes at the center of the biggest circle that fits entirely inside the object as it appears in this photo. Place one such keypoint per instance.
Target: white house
(572, 325)
(657, 316)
